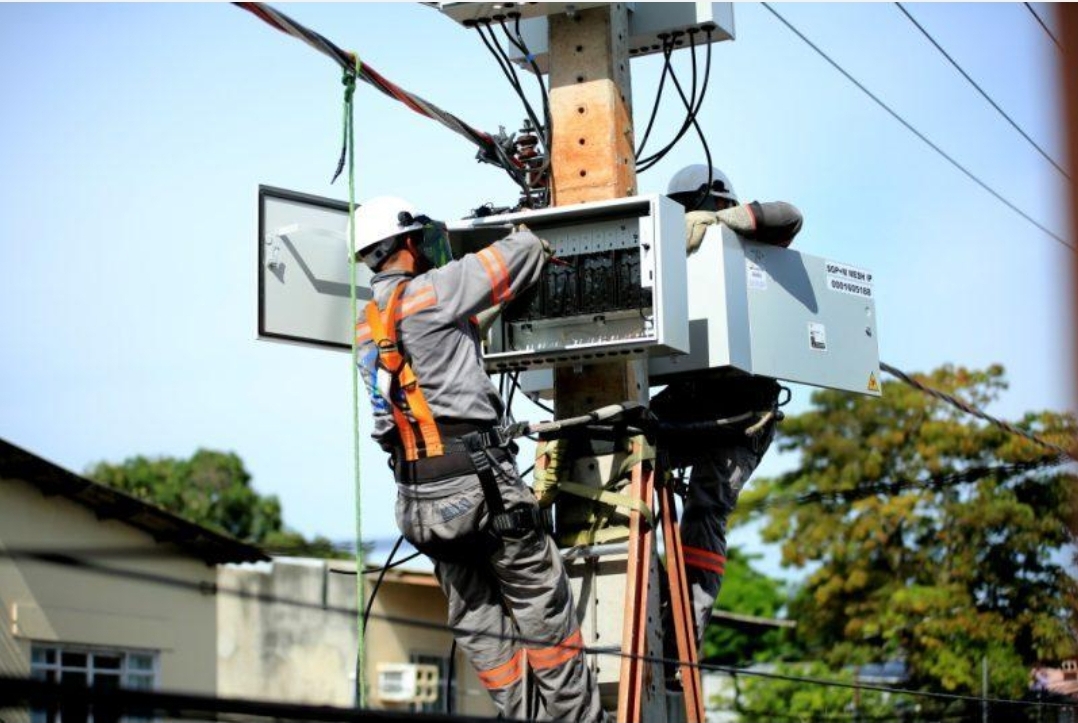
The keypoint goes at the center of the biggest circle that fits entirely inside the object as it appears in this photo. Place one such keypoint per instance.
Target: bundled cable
(491, 149)
(969, 409)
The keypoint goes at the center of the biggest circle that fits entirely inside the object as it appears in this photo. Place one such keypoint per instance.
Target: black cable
(506, 65)
(1046, 30)
(206, 588)
(544, 94)
(655, 105)
(897, 486)
(450, 673)
(536, 402)
(691, 108)
(515, 384)
(120, 702)
(647, 163)
(373, 570)
(981, 91)
(916, 132)
(378, 582)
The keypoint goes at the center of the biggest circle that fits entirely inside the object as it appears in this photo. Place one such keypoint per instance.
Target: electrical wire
(693, 107)
(655, 106)
(490, 150)
(970, 409)
(507, 68)
(522, 46)
(980, 90)
(895, 487)
(1041, 22)
(1059, 239)
(378, 583)
(205, 588)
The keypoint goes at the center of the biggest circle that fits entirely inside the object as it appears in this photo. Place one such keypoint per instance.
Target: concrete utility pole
(593, 159)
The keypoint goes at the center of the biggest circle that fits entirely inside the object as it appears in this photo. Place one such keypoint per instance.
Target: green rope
(349, 81)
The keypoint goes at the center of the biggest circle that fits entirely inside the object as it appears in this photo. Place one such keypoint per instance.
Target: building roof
(107, 503)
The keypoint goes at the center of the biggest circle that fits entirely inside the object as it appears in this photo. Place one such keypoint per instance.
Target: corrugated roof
(107, 503)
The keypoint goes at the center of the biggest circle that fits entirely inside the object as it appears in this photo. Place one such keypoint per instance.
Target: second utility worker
(721, 459)
(460, 499)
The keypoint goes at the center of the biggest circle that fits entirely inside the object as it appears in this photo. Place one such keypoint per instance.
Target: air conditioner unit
(407, 683)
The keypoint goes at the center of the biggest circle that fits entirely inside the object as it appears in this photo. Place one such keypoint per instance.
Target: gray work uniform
(509, 596)
(722, 461)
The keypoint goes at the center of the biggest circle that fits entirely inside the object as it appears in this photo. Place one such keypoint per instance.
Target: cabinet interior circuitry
(613, 290)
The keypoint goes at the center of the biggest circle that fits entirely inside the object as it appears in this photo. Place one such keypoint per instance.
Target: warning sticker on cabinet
(849, 280)
(817, 336)
(757, 277)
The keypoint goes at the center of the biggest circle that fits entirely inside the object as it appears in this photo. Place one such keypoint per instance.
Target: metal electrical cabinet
(779, 313)
(615, 289)
(649, 24)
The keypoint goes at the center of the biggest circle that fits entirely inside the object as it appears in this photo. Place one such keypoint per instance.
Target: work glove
(486, 318)
(696, 223)
(548, 250)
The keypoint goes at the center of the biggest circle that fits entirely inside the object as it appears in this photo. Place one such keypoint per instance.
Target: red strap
(703, 559)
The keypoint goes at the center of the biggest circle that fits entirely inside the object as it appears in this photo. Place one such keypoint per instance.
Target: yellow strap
(549, 457)
(606, 497)
(585, 538)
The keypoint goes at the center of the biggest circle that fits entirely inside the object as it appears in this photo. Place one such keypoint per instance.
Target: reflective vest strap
(383, 327)
(407, 434)
(428, 430)
(384, 330)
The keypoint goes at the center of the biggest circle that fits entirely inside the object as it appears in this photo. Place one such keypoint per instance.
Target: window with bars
(100, 668)
(446, 688)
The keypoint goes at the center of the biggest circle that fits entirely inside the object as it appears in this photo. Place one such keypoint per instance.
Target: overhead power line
(969, 409)
(209, 588)
(918, 133)
(490, 150)
(981, 90)
(897, 486)
(1041, 22)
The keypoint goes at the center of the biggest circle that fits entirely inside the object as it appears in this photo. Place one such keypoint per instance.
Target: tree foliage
(911, 564)
(212, 489)
(745, 591)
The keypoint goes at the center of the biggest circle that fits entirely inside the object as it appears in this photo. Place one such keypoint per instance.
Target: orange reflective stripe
(505, 674)
(497, 272)
(704, 559)
(363, 332)
(421, 299)
(556, 655)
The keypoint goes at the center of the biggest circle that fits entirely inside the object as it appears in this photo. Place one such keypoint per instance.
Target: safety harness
(383, 325)
(421, 439)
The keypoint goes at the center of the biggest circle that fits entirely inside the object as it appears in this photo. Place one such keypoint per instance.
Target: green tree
(212, 489)
(910, 562)
(745, 591)
(766, 699)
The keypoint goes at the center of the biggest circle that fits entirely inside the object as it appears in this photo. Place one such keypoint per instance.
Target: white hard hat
(380, 220)
(695, 178)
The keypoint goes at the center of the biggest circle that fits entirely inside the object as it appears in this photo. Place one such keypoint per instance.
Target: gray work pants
(508, 596)
(719, 472)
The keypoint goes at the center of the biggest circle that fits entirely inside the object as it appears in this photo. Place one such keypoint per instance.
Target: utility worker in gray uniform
(460, 498)
(721, 459)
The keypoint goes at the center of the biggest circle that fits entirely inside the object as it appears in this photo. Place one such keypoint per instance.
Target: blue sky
(134, 137)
